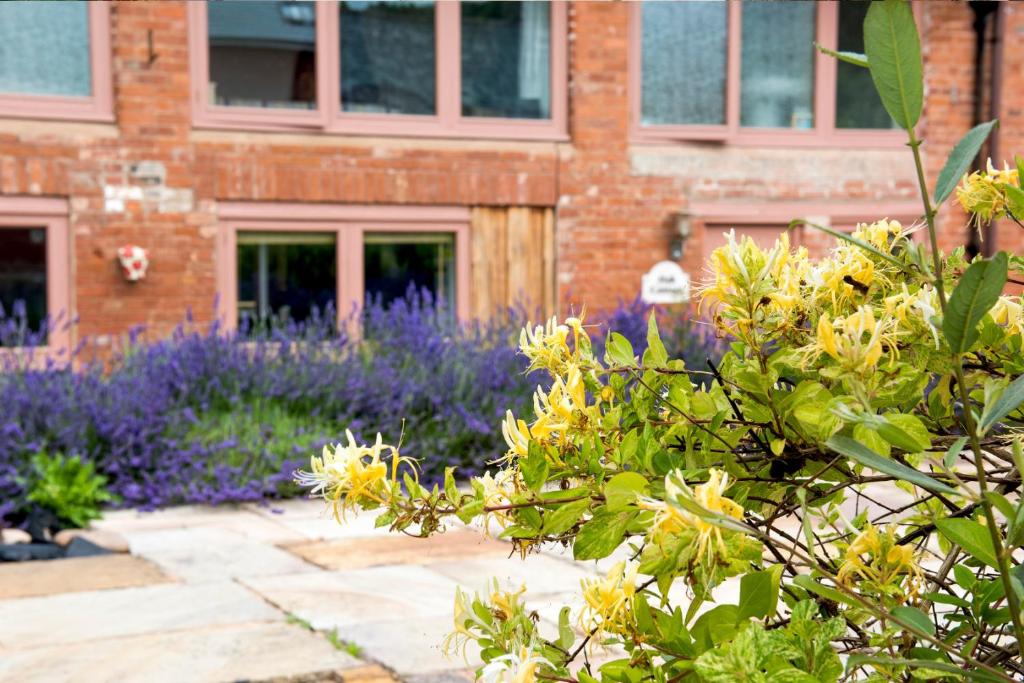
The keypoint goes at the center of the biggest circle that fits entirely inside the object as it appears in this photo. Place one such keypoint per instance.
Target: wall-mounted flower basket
(134, 262)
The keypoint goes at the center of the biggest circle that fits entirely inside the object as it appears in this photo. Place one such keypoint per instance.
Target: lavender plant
(208, 417)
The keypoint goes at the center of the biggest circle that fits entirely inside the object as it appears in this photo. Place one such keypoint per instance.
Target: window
(262, 54)
(405, 67)
(393, 263)
(748, 72)
(285, 276)
(282, 261)
(34, 271)
(55, 60)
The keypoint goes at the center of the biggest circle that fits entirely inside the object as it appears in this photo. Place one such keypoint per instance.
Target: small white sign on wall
(665, 283)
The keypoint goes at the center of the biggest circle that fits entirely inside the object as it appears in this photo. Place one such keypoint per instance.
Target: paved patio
(253, 593)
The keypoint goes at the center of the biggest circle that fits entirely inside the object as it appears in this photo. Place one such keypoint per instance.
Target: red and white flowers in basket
(134, 262)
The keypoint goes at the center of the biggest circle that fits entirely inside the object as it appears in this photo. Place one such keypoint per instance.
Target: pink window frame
(329, 116)
(99, 106)
(349, 223)
(52, 215)
(823, 134)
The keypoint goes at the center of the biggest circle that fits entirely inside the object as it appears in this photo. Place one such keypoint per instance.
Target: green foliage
(960, 159)
(848, 376)
(69, 487)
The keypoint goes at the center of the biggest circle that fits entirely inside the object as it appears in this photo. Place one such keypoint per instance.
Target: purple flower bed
(205, 417)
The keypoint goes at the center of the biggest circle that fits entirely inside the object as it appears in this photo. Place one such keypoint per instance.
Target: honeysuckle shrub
(881, 368)
(208, 417)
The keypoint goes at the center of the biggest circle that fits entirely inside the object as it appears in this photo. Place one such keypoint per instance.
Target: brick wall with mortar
(153, 180)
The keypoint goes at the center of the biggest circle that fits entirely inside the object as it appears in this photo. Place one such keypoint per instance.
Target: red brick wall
(614, 199)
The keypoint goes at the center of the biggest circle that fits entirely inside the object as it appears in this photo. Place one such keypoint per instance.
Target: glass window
(683, 54)
(777, 65)
(23, 274)
(506, 59)
(394, 262)
(262, 53)
(44, 48)
(388, 56)
(857, 102)
(284, 276)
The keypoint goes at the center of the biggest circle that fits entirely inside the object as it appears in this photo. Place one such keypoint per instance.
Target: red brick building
(282, 154)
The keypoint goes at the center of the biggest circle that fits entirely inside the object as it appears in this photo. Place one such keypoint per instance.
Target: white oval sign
(665, 283)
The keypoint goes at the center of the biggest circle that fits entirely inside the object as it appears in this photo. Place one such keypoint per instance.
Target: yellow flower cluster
(608, 601)
(350, 475)
(564, 405)
(981, 193)
(844, 339)
(497, 491)
(670, 519)
(877, 557)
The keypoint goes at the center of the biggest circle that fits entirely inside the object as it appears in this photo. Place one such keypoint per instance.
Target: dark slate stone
(79, 547)
(23, 552)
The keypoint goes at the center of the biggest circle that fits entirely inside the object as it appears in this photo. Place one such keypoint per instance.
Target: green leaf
(855, 58)
(893, 49)
(906, 432)
(564, 517)
(954, 451)
(655, 354)
(1009, 400)
(871, 438)
(565, 635)
(534, 467)
(1015, 199)
(619, 350)
(808, 584)
(960, 159)
(622, 489)
(860, 453)
(759, 593)
(601, 535)
(978, 290)
(916, 618)
(972, 537)
(861, 660)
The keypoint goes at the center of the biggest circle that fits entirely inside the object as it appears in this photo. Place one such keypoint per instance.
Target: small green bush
(69, 487)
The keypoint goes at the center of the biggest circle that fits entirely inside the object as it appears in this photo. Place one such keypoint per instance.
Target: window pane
(44, 48)
(506, 59)
(23, 274)
(388, 56)
(262, 53)
(683, 62)
(857, 101)
(284, 276)
(394, 262)
(777, 65)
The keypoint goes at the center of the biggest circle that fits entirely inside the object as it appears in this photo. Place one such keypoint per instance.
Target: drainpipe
(988, 32)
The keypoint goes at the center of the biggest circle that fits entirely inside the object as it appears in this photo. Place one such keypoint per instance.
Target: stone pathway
(250, 593)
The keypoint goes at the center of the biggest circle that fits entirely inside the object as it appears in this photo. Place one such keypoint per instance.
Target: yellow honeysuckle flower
(980, 194)
(517, 436)
(347, 475)
(670, 519)
(876, 556)
(547, 346)
(609, 600)
(913, 309)
(459, 638)
(498, 491)
(1008, 312)
(506, 603)
(880, 234)
(843, 339)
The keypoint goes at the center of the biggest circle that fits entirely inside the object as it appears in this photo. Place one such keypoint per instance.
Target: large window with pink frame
(34, 274)
(748, 72)
(280, 263)
(407, 67)
(55, 60)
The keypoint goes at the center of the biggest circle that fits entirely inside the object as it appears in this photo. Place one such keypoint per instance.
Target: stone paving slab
(72, 575)
(239, 520)
(249, 652)
(311, 520)
(341, 599)
(94, 615)
(540, 573)
(212, 554)
(355, 553)
(411, 645)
